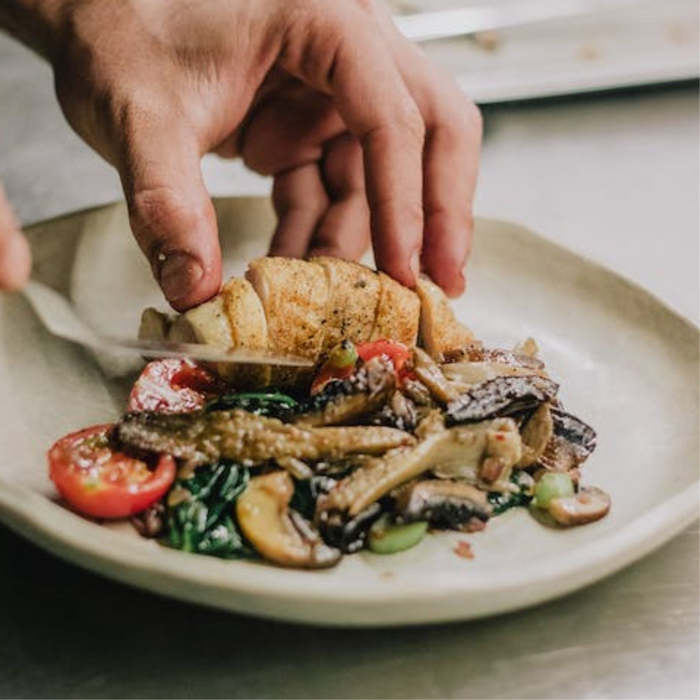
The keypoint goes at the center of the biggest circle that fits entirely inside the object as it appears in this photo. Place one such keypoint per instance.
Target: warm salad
(406, 426)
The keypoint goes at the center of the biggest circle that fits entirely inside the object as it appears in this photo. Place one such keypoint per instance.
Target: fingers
(288, 130)
(340, 52)
(299, 199)
(170, 211)
(451, 159)
(15, 258)
(344, 229)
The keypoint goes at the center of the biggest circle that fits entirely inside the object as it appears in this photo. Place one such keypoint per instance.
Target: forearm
(33, 22)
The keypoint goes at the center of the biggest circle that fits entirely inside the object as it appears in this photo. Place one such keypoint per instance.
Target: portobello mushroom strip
(201, 438)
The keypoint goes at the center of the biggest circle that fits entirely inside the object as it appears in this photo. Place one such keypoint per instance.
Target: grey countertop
(614, 177)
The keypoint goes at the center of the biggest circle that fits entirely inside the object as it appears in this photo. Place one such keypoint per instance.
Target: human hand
(14, 250)
(362, 134)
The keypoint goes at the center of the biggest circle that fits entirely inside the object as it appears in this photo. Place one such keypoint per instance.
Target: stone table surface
(614, 177)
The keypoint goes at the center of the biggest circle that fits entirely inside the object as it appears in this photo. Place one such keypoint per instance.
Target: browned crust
(294, 296)
(440, 331)
(352, 301)
(248, 330)
(398, 312)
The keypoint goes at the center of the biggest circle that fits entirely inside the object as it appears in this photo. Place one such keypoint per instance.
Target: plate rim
(79, 543)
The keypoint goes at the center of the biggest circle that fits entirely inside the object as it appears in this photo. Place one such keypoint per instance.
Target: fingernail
(414, 264)
(179, 273)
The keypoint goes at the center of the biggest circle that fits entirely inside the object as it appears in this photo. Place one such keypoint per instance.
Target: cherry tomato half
(398, 353)
(100, 482)
(172, 386)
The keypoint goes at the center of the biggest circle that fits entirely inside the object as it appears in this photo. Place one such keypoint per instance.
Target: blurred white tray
(656, 42)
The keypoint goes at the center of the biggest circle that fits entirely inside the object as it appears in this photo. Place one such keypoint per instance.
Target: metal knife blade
(442, 24)
(202, 353)
(60, 317)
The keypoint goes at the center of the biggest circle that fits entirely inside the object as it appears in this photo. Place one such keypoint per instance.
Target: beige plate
(628, 365)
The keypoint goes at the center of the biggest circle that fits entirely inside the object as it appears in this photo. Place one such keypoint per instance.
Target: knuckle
(153, 208)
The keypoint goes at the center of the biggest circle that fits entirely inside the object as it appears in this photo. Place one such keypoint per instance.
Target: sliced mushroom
(571, 443)
(417, 392)
(470, 373)
(501, 397)
(279, 534)
(588, 505)
(430, 374)
(298, 469)
(399, 412)
(444, 503)
(536, 434)
(486, 454)
(476, 352)
(204, 437)
(581, 436)
(348, 535)
(460, 448)
(343, 401)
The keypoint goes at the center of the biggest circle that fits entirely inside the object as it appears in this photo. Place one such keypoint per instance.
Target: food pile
(406, 425)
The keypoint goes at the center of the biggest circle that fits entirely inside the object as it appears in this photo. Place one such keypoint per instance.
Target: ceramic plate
(628, 365)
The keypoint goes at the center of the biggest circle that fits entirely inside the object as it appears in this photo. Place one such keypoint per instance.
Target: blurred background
(591, 139)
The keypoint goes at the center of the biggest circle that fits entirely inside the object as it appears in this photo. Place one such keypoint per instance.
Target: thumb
(171, 213)
(15, 258)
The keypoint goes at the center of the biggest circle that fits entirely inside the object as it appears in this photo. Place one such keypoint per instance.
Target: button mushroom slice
(279, 534)
(443, 503)
(201, 437)
(501, 397)
(344, 401)
(456, 447)
(588, 505)
(535, 435)
(430, 374)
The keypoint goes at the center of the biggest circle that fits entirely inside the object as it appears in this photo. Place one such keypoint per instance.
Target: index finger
(340, 51)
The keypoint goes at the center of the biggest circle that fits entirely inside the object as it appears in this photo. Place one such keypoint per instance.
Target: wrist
(36, 23)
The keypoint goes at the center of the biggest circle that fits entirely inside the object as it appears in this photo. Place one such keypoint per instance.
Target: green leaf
(274, 404)
(205, 522)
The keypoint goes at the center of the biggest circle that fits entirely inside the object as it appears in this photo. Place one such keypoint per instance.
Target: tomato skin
(327, 374)
(398, 353)
(172, 386)
(102, 483)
